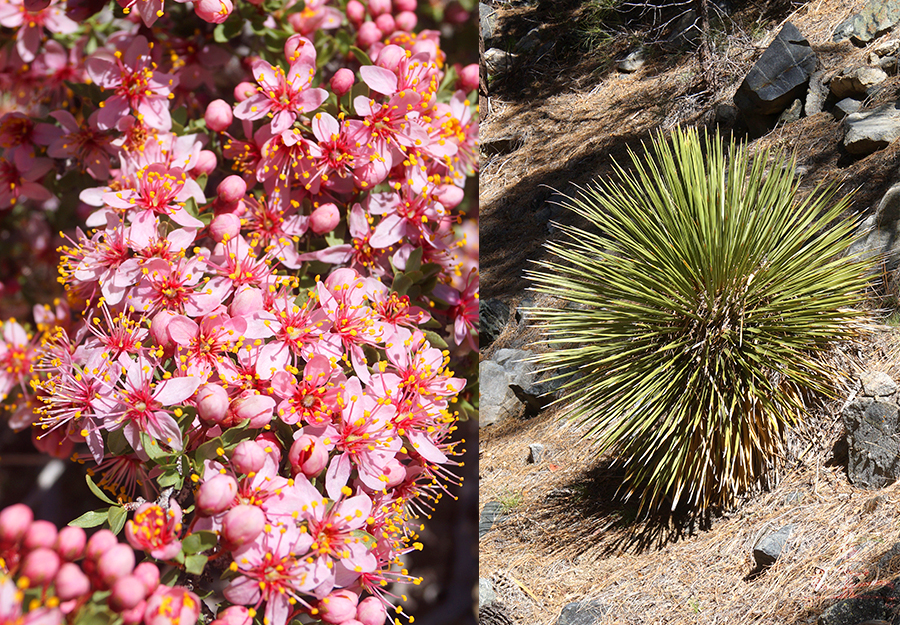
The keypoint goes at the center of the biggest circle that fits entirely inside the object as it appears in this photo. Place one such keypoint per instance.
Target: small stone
(530, 41)
(856, 81)
(769, 548)
(886, 47)
(582, 613)
(493, 314)
(498, 61)
(878, 384)
(490, 514)
(632, 63)
(486, 594)
(791, 113)
(535, 453)
(845, 107)
(872, 130)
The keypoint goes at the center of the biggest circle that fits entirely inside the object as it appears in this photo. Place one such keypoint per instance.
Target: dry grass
(566, 537)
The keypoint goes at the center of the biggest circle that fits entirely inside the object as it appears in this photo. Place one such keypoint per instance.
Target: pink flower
(313, 399)
(31, 24)
(12, 611)
(172, 606)
(204, 347)
(156, 530)
(87, 146)
(283, 96)
(142, 405)
(138, 87)
(172, 285)
(22, 181)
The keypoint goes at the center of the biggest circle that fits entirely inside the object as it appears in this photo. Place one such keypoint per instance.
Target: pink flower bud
(40, 567)
(216, 494)
(39, 534)
(308, 456)
(270, 445)
(449, 195)
(14, 522)
(371, 611)
(159, 328)
(427, 46)
(385, 23)
(127, 593)
(231, 189)
(377, 7)
(248, 457)
(116, 563)
(234, 615)
(172, 606)
(368, 34)
(406, 20)
(135, 615)
(242, 524)
(468, 77)
(244, 90)
(342, 81)
(405, 5)
(218, 116)
(225, 225)
(390, 57)
(455, 13)
(70, 543)
(212, 402)
(205, 163)
(71, 582)
(213, 11)
(338, 606)
(250, 405)
(148, 573)
(325, 218)
(98, 544)
(395, 473)
(356, 12)
(245, 301)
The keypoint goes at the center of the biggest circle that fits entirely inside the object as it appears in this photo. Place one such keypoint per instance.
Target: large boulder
(870, 131)
(872, 421)
(779, 77)
(875, 18)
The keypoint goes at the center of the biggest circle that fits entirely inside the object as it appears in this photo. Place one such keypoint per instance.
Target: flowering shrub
(267, 282)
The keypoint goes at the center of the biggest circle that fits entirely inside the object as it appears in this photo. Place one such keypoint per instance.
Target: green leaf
(152, 448)
(401, 284)
(91, 519)
(435, 339)
(195, 564)
(117, 517)
(361, 56)
(199, 541)
(170, 477)
(98, 493)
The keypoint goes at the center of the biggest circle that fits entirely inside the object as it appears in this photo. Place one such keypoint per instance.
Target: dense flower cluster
(269, 284)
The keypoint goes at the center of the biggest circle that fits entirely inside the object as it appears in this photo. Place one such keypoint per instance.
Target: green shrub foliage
(698, 313)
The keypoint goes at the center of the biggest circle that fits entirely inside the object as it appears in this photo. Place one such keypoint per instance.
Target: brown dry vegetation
(565, 538)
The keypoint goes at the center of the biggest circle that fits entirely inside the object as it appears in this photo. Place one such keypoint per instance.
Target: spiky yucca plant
(704, 302)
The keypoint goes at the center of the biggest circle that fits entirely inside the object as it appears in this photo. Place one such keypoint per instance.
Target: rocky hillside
(574, 86)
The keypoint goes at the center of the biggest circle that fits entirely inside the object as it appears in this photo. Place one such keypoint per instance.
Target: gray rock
(779, 77)
(517, 363)
(686, 30)
(873, 130)
(486, 594)
(490, 514)
(487, 22)
(633, 62)
(498, 61)
(530, 41)
(816, 94)
(856, 82)
(769, 547)
(889, 64)
(497, 401)
(586, 612)
(889, 563)
(493, 314)
(877, 384)
(845, 107)
(876, 18)
(726, 114)
(873, 459)
(855, 610)
(535, 453)
(523, 316)
(791, 113)
(879, 234)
